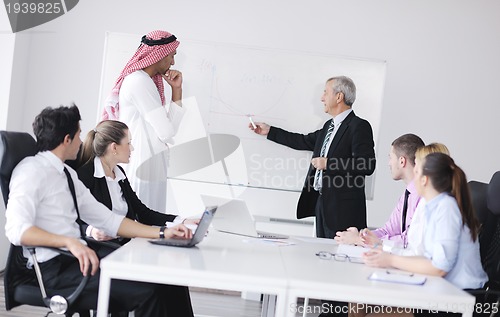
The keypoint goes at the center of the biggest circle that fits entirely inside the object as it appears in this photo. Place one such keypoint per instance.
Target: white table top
(232, 262)
(221, 261)
(310, 276)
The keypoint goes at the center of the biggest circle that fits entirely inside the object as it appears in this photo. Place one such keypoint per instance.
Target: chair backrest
(479, 192)
(491, 261)
(14, 146)
(493, 200)
(479, 195)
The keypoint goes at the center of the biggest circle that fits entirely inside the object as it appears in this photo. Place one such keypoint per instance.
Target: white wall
(443, 73)
(6, 59)
(7, 41)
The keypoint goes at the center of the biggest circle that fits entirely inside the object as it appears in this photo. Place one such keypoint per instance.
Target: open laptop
(198, 235)
(234, 217)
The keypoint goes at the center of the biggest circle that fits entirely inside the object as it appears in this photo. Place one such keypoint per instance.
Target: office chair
(486, 202)
(19, 282)
(479, 193)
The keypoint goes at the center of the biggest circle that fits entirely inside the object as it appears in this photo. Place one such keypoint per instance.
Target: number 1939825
(34, 7)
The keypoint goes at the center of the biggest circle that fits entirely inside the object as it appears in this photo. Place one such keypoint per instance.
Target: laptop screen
(198, 235)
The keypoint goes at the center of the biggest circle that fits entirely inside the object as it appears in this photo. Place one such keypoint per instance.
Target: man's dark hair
(406, 146)
(53, 124)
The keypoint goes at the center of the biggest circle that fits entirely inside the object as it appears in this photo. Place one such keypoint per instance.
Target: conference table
(312, 277)
(285, 270)
(220, 261)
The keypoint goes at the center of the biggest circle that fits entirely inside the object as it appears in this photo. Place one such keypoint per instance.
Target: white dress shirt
(118, 202)
(448, 243)
(40, 196)
(337, 121)
(152, 127)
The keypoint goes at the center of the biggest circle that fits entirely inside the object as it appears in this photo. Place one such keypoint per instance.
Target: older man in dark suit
(343, 154)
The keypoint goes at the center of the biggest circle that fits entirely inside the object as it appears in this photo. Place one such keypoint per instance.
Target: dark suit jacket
(136, 209)
(350, 158)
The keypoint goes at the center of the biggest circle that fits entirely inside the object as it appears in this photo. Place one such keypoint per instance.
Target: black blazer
(136, 209)
(351, 157)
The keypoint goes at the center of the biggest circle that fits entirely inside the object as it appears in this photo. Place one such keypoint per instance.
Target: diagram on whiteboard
(226, 84)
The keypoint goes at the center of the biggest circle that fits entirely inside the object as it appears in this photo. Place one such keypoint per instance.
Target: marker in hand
(253, 123)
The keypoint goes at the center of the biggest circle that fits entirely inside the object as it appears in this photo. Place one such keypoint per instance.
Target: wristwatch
(162, 232)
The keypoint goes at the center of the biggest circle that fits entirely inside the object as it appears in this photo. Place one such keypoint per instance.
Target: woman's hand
(194, 221)
(369, 239)
(179, 231)
(377, 258)
(99, 235)
(350, 236)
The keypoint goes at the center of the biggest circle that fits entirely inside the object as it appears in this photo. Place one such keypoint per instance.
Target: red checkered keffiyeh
(144, 56)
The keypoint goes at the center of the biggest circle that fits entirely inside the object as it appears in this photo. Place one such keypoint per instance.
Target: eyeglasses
(325, 255)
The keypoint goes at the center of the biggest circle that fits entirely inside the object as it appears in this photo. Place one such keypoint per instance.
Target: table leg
(281, 305)
(103, 297)
(291, 301)
(268, 305)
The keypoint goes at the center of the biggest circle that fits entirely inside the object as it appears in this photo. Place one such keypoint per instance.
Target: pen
(400, 273)
(251, 121)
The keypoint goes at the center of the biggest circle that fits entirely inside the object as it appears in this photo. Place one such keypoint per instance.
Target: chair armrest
(57, 303)
(488, 291)
(94, 244)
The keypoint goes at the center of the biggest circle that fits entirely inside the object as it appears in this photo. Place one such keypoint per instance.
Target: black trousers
(331, 308)
(145, 299)
(322, 230)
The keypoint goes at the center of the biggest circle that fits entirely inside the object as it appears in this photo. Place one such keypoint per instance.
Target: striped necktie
(319, 173)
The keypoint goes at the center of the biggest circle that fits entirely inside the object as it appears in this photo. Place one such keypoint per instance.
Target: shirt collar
(99, 170)
(434, 201)
(411, 187)
(53, 160)
(341, 116)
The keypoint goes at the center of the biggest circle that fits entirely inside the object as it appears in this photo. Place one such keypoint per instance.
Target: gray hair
(346, 86)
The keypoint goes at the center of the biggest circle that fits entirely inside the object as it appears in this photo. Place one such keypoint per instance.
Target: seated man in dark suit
(42, 211)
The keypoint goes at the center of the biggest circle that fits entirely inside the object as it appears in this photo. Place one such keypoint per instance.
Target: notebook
(198, 235)
(234, 217)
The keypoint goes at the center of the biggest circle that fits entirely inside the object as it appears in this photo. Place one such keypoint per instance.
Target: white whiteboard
(226, 83)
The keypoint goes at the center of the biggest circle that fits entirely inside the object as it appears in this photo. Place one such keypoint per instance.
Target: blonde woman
(450, 237)
(104, 148)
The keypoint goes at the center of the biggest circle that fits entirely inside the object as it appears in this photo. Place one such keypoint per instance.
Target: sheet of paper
(396, 276)
(353, 251)
(315, 240)
(275, 242)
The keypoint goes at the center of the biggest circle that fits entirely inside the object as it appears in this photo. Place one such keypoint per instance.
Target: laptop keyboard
(266, 235)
